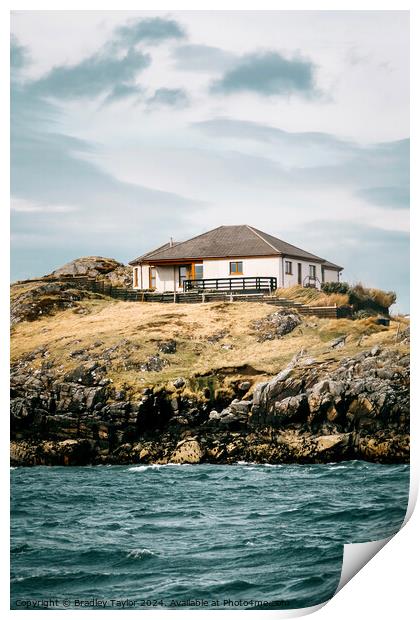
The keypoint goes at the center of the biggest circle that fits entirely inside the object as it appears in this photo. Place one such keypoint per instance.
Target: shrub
(363, 314)
(335, 287)
(372, 300)
(362, 298)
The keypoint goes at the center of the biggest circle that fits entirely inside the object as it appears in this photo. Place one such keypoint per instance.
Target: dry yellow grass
(312, 296)
(136, 328)
(16, 290)
(335, 299)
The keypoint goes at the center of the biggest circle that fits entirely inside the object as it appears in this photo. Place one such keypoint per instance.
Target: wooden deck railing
(259, 283)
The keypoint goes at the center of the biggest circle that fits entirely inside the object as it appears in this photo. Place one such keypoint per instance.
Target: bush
(364, 314)
(362, 298)
(335, 287)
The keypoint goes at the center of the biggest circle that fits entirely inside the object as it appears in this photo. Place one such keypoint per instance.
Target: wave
(157, 466)
(242, 532)
(140, 554)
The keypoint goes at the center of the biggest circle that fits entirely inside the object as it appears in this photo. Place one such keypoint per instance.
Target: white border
(387, 586)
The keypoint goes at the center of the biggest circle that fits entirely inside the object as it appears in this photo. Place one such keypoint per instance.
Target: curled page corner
(356, 556)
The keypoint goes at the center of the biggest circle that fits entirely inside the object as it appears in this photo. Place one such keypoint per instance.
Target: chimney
(171, 242)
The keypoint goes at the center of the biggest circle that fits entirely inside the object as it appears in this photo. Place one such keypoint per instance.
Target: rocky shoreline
(310, 412)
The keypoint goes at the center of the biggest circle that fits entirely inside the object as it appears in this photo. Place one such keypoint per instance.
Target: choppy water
(165, 535)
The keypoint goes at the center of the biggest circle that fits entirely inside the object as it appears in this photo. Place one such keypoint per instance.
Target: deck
(203, 295)
(251, 285)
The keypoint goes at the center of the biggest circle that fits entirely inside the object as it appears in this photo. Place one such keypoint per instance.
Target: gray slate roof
(226, 242)
(165, 246)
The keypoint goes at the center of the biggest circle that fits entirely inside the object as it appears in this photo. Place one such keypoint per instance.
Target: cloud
(64, 206)
(376, 174)
(19, 55)
(124, 91)
(377, 257)
(153, 30)
(172, 97)
(393, 197)
(268, 73)
(248, 130)
(21, 205)
(92, 76)
(49, 167)
(202, 58)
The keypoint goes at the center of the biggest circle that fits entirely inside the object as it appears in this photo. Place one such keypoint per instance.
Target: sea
(241, 536)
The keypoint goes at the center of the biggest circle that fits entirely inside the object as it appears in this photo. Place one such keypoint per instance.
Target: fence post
(174, 297)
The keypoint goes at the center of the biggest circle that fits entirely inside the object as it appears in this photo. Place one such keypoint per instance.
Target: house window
(312, 271)
(198, 269)
(236, 268)
(136, 277)
(152, 277)
(289, 267)
(182, 274)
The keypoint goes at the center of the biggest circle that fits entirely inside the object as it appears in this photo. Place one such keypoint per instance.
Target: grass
(312, 296)
(134, 329)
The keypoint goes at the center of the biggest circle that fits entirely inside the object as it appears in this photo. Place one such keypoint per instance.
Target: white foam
(157, 466)
(138, 554)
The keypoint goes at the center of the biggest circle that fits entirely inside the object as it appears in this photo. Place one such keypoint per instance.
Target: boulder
(154, 363)
(276, 325)
(330, 442)
(167, 347)
(85, 375)
(338, 343)
(188, 451)
(91, 266)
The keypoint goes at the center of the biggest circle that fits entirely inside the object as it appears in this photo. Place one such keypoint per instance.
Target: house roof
(165, 246)
(225, 242)
(328, 265)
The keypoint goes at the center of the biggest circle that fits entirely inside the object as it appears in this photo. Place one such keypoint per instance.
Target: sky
(128, 128)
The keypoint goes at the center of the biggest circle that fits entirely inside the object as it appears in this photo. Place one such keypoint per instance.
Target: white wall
(292, 279)
(331, 275)
(252, 267)
(143, 277)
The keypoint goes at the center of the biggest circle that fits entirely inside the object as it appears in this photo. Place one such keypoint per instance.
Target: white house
(230, 257)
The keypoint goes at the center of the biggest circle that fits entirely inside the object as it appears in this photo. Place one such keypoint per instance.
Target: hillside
(100, 380)
(209, 338)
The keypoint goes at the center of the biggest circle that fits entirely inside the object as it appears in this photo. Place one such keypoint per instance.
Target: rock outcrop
(92, 267)
(277, 324)
(57, 291)
(46, 299)
(309, 412)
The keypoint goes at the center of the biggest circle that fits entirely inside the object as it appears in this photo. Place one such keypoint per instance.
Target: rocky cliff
(309, 412)
(95, 380)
